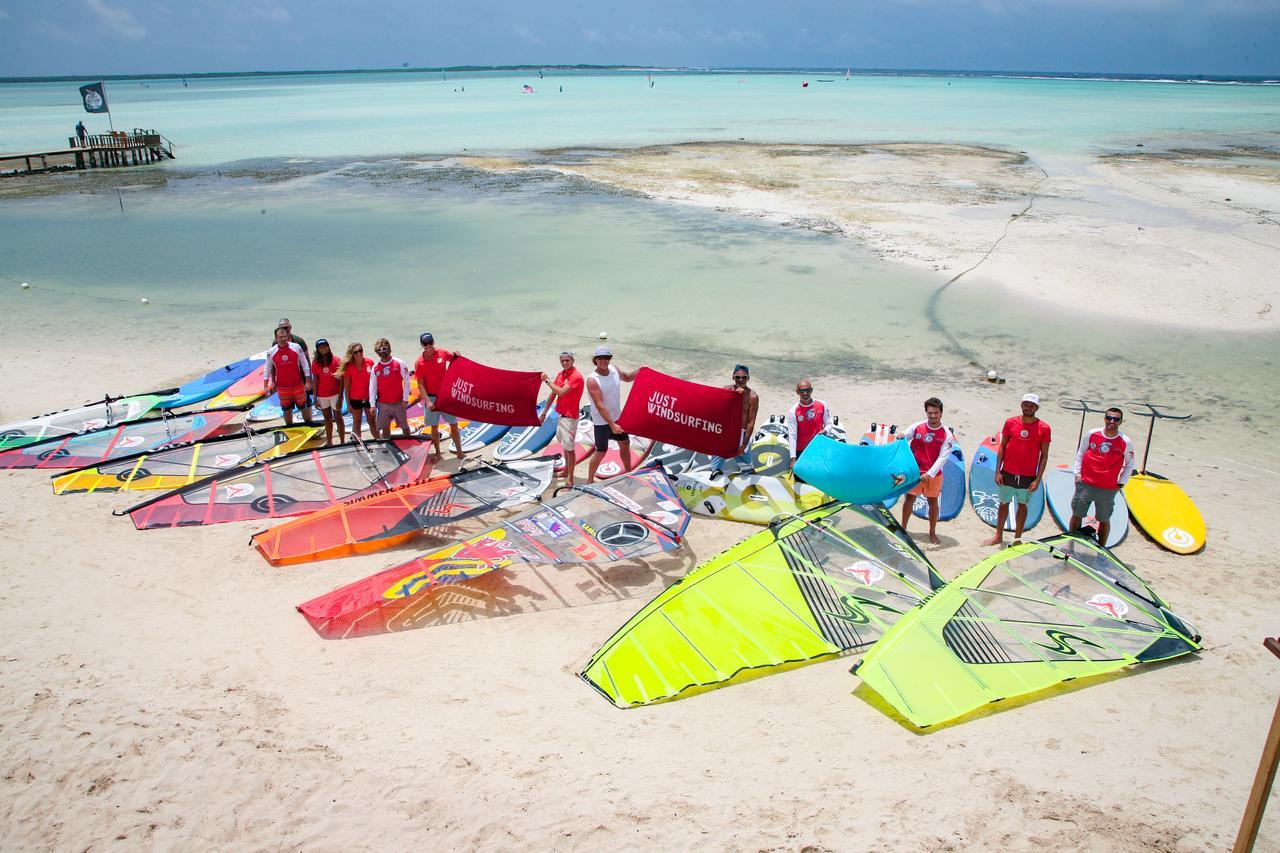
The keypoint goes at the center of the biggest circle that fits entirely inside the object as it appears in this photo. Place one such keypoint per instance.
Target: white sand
(159, 690)
(1182, 241)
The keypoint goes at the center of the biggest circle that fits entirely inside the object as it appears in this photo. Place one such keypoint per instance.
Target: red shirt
(569, 404)
(327, 384)
(809, 422)
(1022, 453)
(287, 366)
(357, 378)
(1103, 459)
(390, 377)
(927, 444)
(430, 373)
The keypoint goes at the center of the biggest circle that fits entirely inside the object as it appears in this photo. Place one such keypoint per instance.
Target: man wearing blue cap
(429, 370)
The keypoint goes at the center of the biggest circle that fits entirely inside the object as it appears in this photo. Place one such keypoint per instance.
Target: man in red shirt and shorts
(429, 370)
(931, 444)
(566, 390)
(1020, 464)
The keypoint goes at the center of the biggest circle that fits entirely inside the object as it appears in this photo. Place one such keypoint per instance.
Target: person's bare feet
(933, 537)
(994, 540)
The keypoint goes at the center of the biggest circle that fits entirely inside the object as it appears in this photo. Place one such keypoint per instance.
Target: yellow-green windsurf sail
(1032, 616)
(175, 467)
(817, 585)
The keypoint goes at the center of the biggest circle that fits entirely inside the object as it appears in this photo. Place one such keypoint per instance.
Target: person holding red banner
(388, 391)
(604, 388)
(808, 419)
(429, 369)
(566, 390)
(750, 407)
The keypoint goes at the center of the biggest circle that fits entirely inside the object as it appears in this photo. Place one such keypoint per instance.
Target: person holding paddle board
(1020, 464)
(566, 391)
(604, 387)
(931, 443)
(1104, 462)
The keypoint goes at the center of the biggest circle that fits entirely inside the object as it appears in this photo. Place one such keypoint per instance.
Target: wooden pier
(99, 151)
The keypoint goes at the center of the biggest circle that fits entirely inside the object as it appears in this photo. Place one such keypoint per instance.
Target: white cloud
(523, 33)
(121, 22)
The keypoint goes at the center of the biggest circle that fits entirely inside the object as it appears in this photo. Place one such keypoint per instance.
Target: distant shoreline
(1098, 76)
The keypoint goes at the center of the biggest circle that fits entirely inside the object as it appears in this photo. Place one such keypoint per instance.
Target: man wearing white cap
(1020, 464)
(604, 389)
(566, 394)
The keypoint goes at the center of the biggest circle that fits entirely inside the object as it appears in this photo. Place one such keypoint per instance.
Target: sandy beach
(159, 690)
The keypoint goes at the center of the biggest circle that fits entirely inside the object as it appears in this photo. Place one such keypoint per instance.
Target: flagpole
(110, 122)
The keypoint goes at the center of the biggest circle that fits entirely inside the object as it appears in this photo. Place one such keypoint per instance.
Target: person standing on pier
(82, 134)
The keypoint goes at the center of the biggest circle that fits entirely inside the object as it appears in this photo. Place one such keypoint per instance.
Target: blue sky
(91, 37)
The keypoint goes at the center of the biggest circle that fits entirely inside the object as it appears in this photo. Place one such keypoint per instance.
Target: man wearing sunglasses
(806, 420)
(750, 406)
(1104, 462)
(388, 391)
(604, 394)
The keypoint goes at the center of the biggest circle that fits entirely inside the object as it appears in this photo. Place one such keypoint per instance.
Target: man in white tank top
(604, 392)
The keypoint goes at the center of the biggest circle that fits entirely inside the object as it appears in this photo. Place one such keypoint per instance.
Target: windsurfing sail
(860, 474)
(1032, 616)
(632, 515)
(243, 391)
(109, 412)
(212, 383)
(296, 484)
(90, 448)
(175, 467)
(817, 585)
(377, 522)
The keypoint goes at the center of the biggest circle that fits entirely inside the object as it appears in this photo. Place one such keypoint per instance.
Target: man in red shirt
(429, 370)
(566, 390)
(1104, 462)
(1020, 464)
(388, 391)
(931, 444)
(808, 419)
(288, 374)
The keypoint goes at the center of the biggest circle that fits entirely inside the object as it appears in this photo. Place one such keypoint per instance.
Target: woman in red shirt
(354, 374)
(324, 370)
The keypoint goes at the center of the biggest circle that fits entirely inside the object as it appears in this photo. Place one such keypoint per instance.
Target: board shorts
(431, 417)
(567, 432)
(295, 396)
(931, 489)
(603, 434)
(1103, 500)
(357, 404)
(328, 402)
(388, 412)
(1015, 486)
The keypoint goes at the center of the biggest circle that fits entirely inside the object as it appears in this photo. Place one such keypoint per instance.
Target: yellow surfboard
(1165, 513)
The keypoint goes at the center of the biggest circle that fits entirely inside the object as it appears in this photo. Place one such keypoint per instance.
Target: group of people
(378, 392)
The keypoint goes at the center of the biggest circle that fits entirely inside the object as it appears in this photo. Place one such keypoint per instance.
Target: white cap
(602, 351)
(1034, 399)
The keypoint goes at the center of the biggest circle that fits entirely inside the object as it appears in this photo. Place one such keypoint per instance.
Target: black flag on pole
(95, 98)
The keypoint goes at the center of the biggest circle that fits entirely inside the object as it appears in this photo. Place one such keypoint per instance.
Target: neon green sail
(817, 585)
(1022, 620)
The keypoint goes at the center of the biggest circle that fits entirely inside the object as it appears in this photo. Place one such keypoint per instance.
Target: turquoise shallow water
(225, 120)
(508, 266)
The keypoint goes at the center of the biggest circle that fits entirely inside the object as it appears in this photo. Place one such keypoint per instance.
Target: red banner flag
(489, 395)
(696, 417)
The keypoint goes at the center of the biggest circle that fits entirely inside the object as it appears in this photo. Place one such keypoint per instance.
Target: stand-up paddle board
(1158, 505)
(1060, 488)
(984, 494)
(951, 501)
(523, 442)
(1165, 513)
(478, 435)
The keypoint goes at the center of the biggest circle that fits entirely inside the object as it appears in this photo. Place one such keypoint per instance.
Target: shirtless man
(750, 406)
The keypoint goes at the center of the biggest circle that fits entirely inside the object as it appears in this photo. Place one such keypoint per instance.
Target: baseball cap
(1034, 399)
(426, 338)
(568, 352)
(324, 341)
(284, 323)
(603, 351)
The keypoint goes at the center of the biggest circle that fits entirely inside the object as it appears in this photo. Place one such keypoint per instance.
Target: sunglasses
(804, 390)
(382, 351)
(737, 378)
(1111, 418)
(357, 349)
